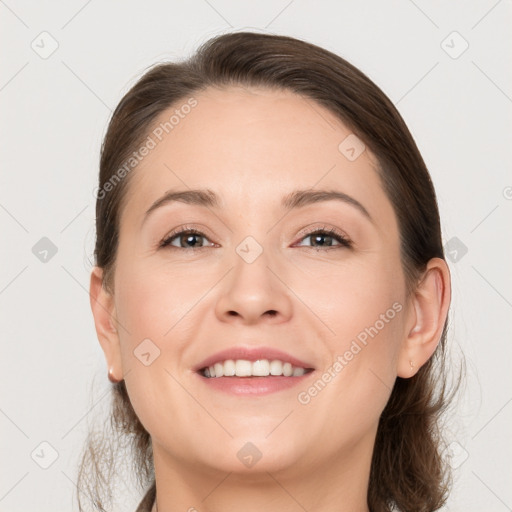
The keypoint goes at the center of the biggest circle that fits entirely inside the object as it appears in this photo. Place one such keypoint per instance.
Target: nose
(254, 292)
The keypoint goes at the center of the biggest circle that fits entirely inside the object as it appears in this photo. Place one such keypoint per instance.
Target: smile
(258, 368)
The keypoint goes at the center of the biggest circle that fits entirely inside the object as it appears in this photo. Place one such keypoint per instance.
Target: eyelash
(344, 241)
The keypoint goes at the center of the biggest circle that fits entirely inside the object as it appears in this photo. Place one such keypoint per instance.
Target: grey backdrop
(64, 67)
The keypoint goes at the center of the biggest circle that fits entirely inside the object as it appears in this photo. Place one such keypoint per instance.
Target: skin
(252, 147)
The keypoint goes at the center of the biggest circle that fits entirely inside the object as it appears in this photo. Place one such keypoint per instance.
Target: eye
(325, 237)
(184, 236)
(191, 238)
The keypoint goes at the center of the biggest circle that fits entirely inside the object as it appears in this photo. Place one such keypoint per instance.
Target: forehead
(251, 145)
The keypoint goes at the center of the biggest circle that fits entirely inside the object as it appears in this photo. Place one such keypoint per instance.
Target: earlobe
(103, 310)
(430, 303)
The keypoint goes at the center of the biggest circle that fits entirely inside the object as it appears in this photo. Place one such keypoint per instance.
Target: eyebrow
(293, 200)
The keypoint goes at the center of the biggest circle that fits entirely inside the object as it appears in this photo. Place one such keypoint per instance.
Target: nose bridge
(251, 272)
(251, 234)
(255, 253)
(252, 288)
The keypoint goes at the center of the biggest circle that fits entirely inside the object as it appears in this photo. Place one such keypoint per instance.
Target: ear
(427, 316)
(103, 310)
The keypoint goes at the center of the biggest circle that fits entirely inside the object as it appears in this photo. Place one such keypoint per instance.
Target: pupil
(190, 238)
(319, 237)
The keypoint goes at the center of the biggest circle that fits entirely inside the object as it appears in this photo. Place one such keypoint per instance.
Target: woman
(270, 289)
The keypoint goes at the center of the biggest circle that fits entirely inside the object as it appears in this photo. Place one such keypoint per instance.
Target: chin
(255, 453)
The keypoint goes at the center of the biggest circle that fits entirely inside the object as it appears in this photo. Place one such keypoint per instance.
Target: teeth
(276, 368)
(259, 368)
(243, 368)
(229, 368)
(219, 369)
(297, 372)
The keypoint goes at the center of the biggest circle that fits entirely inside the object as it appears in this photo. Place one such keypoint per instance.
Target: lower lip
(247, 386)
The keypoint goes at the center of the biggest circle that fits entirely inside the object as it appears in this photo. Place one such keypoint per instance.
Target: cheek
(370, 323)
(357, 380)
(363, 306)
(156, 304)
(151, 299)
(350, 295)
(162, 303)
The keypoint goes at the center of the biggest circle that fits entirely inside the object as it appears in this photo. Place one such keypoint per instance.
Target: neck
(339, 484)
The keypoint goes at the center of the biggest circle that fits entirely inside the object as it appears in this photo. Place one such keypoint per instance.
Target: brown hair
(407, 471)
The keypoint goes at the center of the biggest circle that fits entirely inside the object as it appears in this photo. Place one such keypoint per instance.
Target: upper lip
(252, 354)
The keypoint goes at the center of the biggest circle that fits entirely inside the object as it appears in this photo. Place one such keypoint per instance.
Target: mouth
(252, 371)
(257, 368)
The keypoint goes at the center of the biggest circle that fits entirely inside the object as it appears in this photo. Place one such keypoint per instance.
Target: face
(255, 275)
